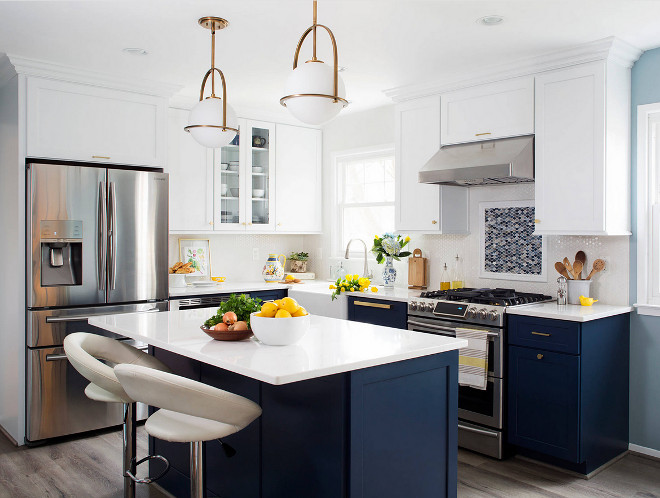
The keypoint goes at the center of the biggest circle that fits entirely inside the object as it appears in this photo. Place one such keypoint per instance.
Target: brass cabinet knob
(243, 223)
(211, 223)
(537, 221)
(434, 222)
(539, 356)
(279, 224)
(249, 224)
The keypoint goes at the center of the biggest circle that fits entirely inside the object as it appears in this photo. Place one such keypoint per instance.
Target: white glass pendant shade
(209, 112)
(318, 78)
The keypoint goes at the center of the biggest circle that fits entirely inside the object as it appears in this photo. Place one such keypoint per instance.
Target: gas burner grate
(492, 297)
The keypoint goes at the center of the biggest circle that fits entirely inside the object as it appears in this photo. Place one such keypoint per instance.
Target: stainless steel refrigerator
(96, 244)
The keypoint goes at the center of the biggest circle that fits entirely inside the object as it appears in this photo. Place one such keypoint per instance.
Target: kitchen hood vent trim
(492, 162)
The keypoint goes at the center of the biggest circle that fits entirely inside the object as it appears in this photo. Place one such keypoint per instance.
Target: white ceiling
(383, 44)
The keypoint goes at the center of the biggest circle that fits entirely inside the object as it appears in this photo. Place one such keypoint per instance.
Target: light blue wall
(645, 330)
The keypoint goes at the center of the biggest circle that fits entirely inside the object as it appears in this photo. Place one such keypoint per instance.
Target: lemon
(374, 289)
(268, 309)
(290, 277)
(278, 303)
(289, 304)
(282, 314)
(301, 312)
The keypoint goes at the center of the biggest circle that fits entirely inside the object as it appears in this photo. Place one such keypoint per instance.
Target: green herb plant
(299, 256)
(241, 304)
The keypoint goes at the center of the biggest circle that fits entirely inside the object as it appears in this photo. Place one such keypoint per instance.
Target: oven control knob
(413, 305)
(470, 313)
(482, 313)
(493, 315)
(427, 307)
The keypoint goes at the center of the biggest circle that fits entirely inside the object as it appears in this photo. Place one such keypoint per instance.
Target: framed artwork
(197, 252)
(509, 250)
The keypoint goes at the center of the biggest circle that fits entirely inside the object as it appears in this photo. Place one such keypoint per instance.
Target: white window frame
(648, 215)
(337, 235)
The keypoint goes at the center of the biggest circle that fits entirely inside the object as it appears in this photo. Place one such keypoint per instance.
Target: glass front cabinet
(244, 181)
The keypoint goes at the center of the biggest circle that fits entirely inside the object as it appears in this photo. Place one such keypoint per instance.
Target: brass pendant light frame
(214, 23)
(312, 29)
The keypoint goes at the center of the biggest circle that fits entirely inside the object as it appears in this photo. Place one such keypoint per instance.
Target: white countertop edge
(287, 379)
(569, 312)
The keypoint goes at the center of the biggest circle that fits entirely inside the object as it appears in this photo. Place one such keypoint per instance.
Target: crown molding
(6, 70)
(13, 64)
(609, 49)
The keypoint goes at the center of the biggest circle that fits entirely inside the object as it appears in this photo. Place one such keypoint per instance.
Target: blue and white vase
(389, 273)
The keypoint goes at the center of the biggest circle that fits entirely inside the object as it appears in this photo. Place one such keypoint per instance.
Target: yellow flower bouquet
(351, 283)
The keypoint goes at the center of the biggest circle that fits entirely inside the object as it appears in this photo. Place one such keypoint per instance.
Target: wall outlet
(255, 254)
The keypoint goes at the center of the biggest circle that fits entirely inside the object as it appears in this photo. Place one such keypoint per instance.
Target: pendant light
(314, 92)
(212, 122)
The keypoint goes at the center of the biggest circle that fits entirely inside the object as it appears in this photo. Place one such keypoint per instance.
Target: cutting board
(416, 270)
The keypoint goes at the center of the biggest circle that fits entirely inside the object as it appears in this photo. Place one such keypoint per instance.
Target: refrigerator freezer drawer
(56, 403)
(50, 327)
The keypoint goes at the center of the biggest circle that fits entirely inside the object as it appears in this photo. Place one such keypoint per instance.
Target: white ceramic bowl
(258, 192)
(279, 331)
(233, 192)
(223, 188)
(177, 280)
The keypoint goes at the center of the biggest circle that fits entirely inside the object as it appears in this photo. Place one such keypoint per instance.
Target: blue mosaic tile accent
(510, 246)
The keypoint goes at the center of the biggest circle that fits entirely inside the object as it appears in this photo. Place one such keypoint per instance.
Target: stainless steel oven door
(482, 407)
(448, 328)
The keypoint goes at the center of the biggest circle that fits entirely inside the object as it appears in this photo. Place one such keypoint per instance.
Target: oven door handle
(483, 432)
(446, 329)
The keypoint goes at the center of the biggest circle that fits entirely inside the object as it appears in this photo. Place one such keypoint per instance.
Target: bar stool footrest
(148, 480)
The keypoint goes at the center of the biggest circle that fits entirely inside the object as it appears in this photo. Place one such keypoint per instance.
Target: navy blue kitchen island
(351, 410)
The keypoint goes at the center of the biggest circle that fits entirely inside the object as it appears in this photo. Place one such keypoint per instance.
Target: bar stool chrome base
(148, 480)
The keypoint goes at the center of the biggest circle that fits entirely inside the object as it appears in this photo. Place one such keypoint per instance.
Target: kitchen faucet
(366, 272)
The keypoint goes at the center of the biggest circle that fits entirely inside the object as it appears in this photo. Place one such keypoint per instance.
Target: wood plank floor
(91, 466)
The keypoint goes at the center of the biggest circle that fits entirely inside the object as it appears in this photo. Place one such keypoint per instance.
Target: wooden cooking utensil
(582, 257)
(577, 270)
(559, 266)
(599, 265)
(569, 267)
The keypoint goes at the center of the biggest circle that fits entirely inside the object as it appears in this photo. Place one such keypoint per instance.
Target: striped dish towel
(473, 360)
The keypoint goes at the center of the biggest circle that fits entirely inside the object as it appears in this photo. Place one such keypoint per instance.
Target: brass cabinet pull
(481, 134)
(211, 223)
(539, 356)
(100, 157)
(544, 334)
(372, 305)
(434, 222)
(537, 221)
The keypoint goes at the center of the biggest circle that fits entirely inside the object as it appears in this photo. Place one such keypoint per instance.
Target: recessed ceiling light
(135, 51)
(491, 20)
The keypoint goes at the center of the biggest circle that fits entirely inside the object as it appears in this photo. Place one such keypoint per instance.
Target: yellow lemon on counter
(290, 277)
(282, 314)
(268, 309)
(374, 289)
(289, 304)
(301, 312)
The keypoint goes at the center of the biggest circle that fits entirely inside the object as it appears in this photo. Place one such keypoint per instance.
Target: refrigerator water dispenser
(61, 252)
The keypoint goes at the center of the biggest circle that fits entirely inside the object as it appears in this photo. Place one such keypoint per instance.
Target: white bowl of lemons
(280, 323)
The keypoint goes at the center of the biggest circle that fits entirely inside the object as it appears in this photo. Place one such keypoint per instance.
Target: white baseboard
(635, 448)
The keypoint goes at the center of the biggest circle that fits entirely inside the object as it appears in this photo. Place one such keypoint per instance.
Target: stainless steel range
(480, 412)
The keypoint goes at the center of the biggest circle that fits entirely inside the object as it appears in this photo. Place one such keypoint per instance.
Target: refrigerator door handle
(112, 237)
(102, 231)
(55, 357)
(84, 318)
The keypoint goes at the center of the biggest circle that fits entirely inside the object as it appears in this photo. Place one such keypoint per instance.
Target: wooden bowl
(227, 336)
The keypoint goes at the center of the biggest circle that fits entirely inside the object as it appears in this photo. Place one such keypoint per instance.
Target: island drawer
(551, 335)
(378, 312)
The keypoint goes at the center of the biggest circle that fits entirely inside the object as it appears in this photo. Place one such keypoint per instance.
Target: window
(648, 209)
(365, 191)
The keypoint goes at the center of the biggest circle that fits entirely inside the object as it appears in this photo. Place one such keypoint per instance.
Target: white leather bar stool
(190, 412)
(84, 352)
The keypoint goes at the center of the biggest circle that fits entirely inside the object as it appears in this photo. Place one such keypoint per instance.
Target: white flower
(391, 246)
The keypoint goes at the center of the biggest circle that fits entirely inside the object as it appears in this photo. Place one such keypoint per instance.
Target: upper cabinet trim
(612, 49)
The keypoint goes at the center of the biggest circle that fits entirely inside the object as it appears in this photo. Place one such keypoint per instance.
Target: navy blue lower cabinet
(387, 431)
(378, 312)
(544, 397)
(568, 390)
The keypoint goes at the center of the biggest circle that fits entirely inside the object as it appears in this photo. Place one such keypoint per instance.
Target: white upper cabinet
(485, 112)
(298, 182)
(582, 150)
(89, 123)
(420, 207)
(190, 167)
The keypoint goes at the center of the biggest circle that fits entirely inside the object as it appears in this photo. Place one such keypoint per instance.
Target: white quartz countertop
(571, 312)
(330, 346)
(311, 286)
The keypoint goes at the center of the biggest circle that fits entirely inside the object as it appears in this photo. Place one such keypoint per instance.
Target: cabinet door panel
(190, 166)
(570, 150)
(298, 181)
(485, 112)
(418, 139)
(378, 312)
(87, 123)
(544, 394)
(259, 173)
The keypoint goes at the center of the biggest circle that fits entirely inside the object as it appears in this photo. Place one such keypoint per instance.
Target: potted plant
(298, 262)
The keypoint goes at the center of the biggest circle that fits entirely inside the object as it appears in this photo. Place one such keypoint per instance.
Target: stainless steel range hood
(493, 162)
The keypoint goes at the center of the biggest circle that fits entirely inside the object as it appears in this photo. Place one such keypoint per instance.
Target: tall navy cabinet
(568, 390)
